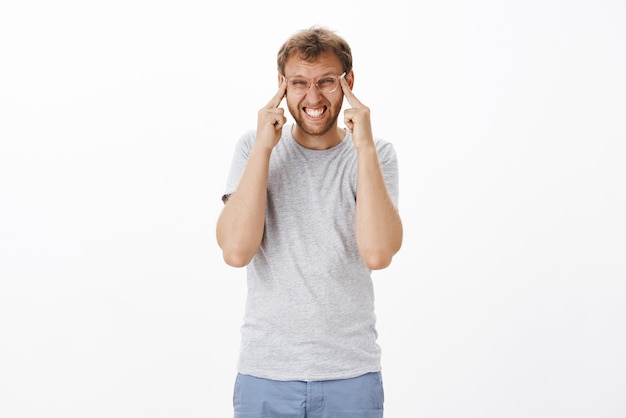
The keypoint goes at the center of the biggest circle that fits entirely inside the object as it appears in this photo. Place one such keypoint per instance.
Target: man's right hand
(271, 119)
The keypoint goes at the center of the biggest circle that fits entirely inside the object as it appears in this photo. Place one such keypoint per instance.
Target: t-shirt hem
(308, 377)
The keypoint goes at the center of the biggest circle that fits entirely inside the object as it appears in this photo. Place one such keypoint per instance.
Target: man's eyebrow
(323, 75)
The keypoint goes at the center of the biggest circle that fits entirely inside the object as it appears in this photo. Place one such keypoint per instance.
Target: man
(310, 209)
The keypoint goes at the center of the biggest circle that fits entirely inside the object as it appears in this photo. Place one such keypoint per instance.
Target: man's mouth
(315, 112)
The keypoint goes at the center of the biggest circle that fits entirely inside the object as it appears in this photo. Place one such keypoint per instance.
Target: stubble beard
(316, 130)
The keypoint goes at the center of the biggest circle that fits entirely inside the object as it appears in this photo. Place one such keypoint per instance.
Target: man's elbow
(236, 258)
(378, 257)
(377, 260)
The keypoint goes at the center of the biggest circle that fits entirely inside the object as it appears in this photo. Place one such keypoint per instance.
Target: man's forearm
(378, 224)
(240, 225)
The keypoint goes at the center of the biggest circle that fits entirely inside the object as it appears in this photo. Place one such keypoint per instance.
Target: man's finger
(352, 100)
(275, 101)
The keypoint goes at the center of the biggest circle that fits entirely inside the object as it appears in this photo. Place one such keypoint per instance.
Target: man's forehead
(323, 64)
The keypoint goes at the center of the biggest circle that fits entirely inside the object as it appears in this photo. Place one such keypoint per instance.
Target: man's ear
(350, 79)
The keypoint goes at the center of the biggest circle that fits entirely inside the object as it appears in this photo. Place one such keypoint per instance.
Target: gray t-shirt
(310, 304)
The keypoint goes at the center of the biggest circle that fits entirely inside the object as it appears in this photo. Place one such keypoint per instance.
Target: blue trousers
(359, 397)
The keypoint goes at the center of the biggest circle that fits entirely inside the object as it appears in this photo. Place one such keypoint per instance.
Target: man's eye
(299, 83)
(326, 82)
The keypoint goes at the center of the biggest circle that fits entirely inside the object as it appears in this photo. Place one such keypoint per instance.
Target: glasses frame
(338, 77)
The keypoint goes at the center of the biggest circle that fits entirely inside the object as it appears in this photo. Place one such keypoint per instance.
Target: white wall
(117, 125)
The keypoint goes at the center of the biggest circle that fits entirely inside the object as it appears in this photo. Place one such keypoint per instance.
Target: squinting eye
(299, 83)
(326, 82)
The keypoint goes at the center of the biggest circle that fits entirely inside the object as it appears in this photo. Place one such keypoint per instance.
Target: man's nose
(313, 91)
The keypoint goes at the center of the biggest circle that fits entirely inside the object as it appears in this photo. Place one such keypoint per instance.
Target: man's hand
(271, 119)
(357, 119)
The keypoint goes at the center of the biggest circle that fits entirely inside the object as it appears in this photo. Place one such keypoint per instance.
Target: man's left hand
(357, 118)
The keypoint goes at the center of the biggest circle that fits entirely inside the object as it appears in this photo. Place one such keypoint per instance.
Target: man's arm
(241, 223)
(378, 224)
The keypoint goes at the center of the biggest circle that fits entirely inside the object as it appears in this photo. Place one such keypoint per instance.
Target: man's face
(315, 112)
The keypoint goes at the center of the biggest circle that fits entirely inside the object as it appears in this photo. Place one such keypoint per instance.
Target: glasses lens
(327, 84)
(298, 85)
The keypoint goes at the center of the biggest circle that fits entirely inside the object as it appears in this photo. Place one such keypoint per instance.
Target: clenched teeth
(314, 113)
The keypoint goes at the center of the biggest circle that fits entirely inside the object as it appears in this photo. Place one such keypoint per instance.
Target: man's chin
(314, 129)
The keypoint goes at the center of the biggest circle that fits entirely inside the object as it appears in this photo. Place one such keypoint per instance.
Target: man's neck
(318, 142)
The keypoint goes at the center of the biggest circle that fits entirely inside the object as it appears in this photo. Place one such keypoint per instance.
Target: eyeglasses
(326, 84)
